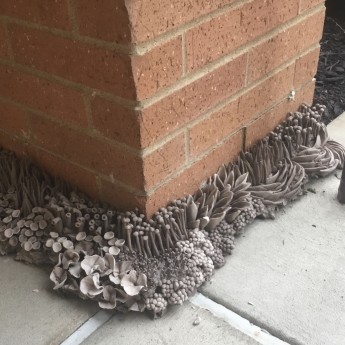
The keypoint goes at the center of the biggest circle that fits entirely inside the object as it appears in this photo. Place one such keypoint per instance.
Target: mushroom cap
(28, 232)
(27, 246)
(114, 250)
(50, 243)
(13, 241)
(109, 235)
(57, 247)
(42, 224)
(9, 233)
(16, 213)
(97, 238)
(67, 244)
(36, 245)
(34, 226)
(81, 236)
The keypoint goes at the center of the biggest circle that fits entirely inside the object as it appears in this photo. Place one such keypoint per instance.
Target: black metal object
(341, 190)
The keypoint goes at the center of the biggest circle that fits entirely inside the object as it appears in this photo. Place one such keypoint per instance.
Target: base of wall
(162, 260)
(182, 181)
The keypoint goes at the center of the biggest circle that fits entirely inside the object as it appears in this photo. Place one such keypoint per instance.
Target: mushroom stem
(172, 232)
(119, 224)
(136, 235)
(61, 213)
(159, 239)
(167, 243)
(79, 226)
(76, 213)
(152, 237)
(182, 216)
(168, 240)
(57, 223)
(177, 228)
(309, 136)
(141, 233)
(125, 221)
(134, 220)
(105, 221)
(304, 136)
(87, 218)
(68, 220)
(129, 237)
(147, 246)
(110, 214)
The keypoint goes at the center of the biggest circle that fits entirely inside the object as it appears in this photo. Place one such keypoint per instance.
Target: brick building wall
(137, 101)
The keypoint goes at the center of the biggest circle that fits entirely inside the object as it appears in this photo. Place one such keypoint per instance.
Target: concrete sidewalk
(30, 312)
(286, 276)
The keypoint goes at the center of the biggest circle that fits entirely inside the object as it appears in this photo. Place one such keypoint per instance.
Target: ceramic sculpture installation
(124, 261)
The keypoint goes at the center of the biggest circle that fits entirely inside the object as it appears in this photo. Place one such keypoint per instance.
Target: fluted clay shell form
(338, 151)
(274, 180)
(307, 142)
(126, 262)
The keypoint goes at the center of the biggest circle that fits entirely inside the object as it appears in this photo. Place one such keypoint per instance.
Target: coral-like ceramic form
(125, 261)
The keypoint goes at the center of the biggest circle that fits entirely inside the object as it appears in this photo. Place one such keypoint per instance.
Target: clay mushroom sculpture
(125, 261)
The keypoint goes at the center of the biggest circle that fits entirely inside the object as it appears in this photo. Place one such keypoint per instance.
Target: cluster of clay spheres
(125, 261)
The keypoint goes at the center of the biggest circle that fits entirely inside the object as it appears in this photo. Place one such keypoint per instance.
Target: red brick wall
(136, 102)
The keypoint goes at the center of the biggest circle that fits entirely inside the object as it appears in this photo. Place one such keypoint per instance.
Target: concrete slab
(288, 275)
(336, 129)
(30, 312)
(176, 327)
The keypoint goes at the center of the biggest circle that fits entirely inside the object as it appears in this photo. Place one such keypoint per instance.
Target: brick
(4, 51)
(14, 120)
(50, 13)
(306, 67)
(13, 143)
(116, 122)
(152, 18)
(284, 46)
(121, 198)
(164, 161)
(90, 152)
(259, 128)
(260, 16)
(51, 98)
(160, 67)
(189, 180)
(307, 4)
(266, 93)
(106, 20)
(79, 62)
(191, 101)
(80, 178)
(213, 39)
(222, 35)
(306, 94)
(214, 128)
